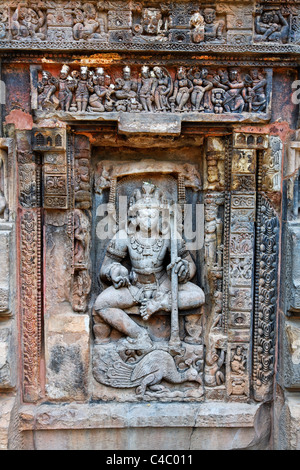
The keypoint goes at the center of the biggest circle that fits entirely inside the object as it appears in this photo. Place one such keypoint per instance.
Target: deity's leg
(149, 104)
(194, 100)
(190, 296)
(78, 105)
(157, 101)
(84, 105)
(182, 100)
(110, 306)
(144, 103)
(199, 99)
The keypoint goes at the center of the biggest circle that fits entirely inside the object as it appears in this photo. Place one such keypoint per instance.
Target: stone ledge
(152, 123)
(146, 426)
(128, 415)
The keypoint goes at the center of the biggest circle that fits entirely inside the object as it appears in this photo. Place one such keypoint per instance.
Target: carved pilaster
(30, 271)
(267, 237)
(30, 292)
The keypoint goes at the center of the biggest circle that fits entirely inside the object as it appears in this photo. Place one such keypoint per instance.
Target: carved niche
(162, 329)
(147, 318)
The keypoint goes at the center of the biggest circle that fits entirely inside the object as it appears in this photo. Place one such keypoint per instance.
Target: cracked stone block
(4, 271)
(6, 376)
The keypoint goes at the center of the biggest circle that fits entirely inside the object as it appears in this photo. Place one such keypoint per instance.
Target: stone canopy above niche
(157, 98)
(148, 25)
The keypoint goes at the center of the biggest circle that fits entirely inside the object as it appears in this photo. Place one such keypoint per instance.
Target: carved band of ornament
(55, 202)
(227, 216)
(30, 273)
(265, 299)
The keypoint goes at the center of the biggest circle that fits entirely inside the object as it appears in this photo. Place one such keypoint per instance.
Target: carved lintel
(144, 124)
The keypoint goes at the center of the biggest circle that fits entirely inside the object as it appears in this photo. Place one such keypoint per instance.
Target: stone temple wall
(149, 225)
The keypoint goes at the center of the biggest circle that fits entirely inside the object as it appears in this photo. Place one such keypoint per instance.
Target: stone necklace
(144, 248)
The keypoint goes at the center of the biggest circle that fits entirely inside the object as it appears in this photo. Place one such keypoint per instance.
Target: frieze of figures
(155, 89)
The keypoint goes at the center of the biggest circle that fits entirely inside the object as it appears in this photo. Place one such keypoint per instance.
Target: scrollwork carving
(265, 299)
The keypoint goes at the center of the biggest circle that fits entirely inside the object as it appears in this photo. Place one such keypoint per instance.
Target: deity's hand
(182, 269)
(119, 276)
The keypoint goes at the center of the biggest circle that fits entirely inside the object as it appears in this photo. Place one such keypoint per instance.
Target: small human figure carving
(183, 87)
(233, 100)
(125, 89)
(254, 92)
(271, 26)
(134, 106)
(98, 90)
(193, 329)
(82, 90)
(87, 24)
(217, 99)
(146, 89)
(200, 87)
(110, 92)
(213, 376)
(213, 29)
(238, 361)
(46, 89)
(198, 24)
(65, 84)
(28, 23)
(80, 239)
(163, 89)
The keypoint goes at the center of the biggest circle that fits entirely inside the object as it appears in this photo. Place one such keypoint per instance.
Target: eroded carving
(271, 26)
(87, 23)
(28, 23)
(3, 202)
(82, 278)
